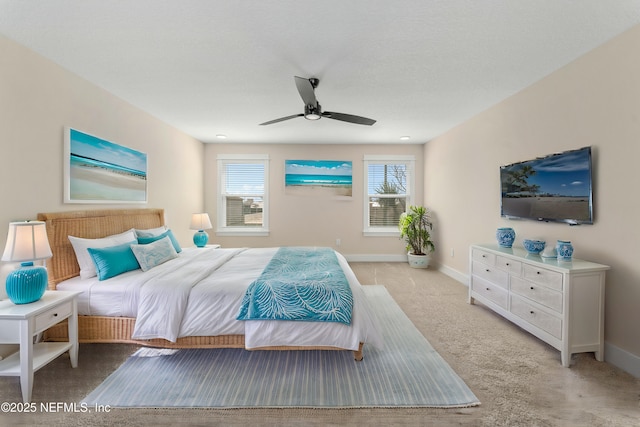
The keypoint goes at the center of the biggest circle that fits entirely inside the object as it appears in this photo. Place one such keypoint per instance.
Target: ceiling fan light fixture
(312, 108)
(312, 113)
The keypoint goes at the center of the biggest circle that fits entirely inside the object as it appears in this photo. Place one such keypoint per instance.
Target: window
(390, 183)
(243, 195)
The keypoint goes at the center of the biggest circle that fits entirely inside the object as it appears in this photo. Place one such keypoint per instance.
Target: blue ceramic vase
(564, 249)
(505, 236)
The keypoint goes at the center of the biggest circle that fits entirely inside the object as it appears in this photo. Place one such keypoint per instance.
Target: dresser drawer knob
(488, 289)
(532, 288)
(531, 312)
(486, 269)
(537, 272)
(55, 314)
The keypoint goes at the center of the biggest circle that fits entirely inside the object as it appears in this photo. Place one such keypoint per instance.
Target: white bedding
(220, 278)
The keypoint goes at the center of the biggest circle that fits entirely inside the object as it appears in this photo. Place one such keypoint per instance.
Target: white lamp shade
(27, 241)
(200, 221)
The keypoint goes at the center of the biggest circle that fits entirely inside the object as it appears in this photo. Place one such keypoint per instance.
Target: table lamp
(200, 222)
(26, 242)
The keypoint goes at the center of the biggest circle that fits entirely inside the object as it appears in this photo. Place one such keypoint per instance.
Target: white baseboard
(376, 257)
(622, 359)
(454, 274)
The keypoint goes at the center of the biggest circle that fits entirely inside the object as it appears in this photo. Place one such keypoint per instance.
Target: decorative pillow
(168, 233)
(151, 232)
(152, 254)
(80, 246)
(114, 260)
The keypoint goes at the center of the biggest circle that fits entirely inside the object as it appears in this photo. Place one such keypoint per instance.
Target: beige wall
(299, 220)
(38, 99)
(593, 101)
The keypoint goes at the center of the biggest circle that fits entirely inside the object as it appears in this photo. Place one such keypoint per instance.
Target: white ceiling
(419, 67)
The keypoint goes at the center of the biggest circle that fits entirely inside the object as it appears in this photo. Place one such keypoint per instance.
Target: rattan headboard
(90, 224)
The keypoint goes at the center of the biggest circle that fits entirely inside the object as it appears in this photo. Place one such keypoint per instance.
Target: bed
(114, 310)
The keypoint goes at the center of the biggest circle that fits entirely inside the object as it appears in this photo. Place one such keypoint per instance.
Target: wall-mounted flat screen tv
(557, 187)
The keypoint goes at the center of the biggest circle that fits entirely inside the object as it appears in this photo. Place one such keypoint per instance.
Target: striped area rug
(407, 372)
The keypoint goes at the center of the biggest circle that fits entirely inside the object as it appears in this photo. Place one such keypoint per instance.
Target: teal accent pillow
(113, 260)
(155, 253)
(151, 239)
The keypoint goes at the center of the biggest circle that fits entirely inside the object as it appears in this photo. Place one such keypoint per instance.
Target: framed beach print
(318, 178)
(99, 171)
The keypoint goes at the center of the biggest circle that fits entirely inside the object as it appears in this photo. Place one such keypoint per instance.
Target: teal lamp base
(200, 239)
(26, 284)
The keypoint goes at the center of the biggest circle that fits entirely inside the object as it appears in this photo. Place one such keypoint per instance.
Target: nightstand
(19, 324)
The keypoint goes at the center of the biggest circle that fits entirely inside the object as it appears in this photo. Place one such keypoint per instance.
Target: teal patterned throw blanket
(300, 283)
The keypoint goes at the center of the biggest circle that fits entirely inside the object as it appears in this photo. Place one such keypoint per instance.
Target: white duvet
(199, 294)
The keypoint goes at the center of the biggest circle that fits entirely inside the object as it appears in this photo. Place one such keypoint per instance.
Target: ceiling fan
(312, 109)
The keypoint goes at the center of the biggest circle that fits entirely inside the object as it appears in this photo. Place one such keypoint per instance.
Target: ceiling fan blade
(281, 119)
(306, 90)
(348, 118)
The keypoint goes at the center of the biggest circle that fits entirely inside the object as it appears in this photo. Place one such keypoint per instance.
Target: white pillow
(155, 253)
(80, 246)
(151, 232)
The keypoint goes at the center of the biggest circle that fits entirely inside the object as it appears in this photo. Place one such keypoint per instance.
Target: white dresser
(562, 303)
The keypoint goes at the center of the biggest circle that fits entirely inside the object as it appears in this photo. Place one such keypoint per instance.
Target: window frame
(409, 161)
(221, 228)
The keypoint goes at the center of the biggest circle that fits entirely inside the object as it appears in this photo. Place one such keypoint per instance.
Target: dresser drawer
(535, 316)
(488, 290)
(542, 276)
(53, 316)
(540, 294)
(490, 273)
(484, 257)
(510, 265)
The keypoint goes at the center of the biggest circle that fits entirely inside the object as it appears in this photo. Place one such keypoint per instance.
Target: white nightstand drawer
(53, 316)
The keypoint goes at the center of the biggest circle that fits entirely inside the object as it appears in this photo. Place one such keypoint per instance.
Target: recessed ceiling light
(405, 138)
(221, 136)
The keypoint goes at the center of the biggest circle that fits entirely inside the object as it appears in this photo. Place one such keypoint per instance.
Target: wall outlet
(453, 252)
(338, 242)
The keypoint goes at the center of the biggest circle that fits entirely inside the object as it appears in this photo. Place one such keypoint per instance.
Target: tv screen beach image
(556, 187)
(101, 171)
(318, 177)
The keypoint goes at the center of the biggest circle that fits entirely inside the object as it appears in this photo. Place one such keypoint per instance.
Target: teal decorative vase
(505, 237)
(26, 284)
(564, 248)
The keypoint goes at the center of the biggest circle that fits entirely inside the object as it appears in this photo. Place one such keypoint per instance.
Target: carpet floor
(406, 372)
(517, 377)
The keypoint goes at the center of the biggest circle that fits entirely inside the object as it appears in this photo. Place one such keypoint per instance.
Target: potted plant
(415, 226)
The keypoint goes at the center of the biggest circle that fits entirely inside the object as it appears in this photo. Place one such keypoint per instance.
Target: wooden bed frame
(93, 224)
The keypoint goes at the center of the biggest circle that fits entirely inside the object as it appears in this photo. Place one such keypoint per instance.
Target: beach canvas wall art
(318, 178)
(99, 171)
